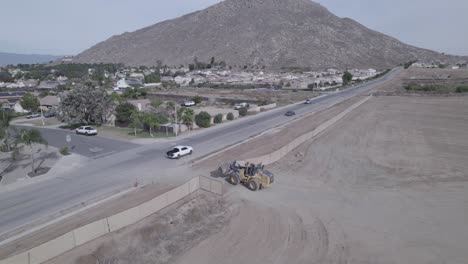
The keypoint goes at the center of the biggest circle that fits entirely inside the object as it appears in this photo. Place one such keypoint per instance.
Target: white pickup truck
(241, 105)
(179, 151)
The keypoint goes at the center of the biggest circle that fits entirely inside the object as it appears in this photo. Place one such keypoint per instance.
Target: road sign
(68, 138)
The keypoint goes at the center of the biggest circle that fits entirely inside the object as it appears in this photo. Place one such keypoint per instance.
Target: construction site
(378, 178)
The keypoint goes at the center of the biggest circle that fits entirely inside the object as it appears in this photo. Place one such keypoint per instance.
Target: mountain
(274, 33)
(13, 58)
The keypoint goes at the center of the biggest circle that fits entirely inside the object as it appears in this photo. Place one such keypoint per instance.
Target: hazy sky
(70, 26)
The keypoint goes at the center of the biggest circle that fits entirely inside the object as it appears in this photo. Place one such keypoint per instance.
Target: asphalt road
(88, 146)
(129, 163)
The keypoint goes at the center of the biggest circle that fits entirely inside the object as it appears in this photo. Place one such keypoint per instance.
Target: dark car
(290, 113)
(49, 114)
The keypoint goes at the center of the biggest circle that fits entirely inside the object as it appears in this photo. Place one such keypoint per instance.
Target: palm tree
(29, 137)
(150, 120)
(187, 117)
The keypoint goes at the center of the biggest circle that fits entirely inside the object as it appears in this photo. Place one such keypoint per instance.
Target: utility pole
(176, 126)
(42, 114)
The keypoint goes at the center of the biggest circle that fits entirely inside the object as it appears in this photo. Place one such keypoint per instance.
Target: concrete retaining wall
(91, 231)
(84, 234)
(267, 107)
(213, 185)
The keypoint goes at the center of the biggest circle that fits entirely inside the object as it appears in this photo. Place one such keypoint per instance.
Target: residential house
(49, 85)
(121, 85)
(49, 102)
(183, 80)
(137, 75)
(167, 79)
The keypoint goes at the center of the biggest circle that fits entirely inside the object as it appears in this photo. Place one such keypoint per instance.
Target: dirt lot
(281, 97)
(387, 184)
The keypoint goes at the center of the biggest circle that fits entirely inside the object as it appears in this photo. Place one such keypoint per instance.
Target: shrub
(218, 119)
(203, 119)
(243, 111)
(230, 116)
(197, 99)
(64, 151)
(461, 89)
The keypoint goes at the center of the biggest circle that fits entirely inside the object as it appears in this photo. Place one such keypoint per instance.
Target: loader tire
(253, 185)
(234, 180)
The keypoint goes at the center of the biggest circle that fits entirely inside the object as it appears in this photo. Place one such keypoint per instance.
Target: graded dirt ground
(159, 238)
(387, 184)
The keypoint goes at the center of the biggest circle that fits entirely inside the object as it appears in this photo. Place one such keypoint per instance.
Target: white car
(241, 105)
(189, 103)
(308, 101)
(86, 130)
(179, 151)
(33, 115)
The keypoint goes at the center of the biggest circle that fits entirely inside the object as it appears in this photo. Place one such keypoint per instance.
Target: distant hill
(13, 58)
(273, 33)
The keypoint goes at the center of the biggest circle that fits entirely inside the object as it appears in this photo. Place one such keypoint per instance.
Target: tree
(218, 119)
(124, 111)
(153, 78)
(187, 117)
(347, 77)
(85, 105)
(30, 102)
(5, 118)
(197, 99)
(203, 119)
(152, 120)
(29, 137)
(6, 77)
(135, 121)
(243, 111)
(230, 116)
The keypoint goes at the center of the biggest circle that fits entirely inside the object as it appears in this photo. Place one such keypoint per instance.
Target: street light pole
(42, 114)
(176, 126)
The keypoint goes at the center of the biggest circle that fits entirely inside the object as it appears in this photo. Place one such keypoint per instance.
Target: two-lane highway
(147, 163)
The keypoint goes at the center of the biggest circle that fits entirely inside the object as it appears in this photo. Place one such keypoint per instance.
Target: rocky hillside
(274, 33)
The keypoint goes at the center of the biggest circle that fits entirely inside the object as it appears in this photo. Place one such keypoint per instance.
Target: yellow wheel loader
(254, 176)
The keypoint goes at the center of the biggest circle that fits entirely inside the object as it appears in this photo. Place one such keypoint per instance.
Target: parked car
(33, 115)
(241, 105)
(290, 113)
(189, 103)
(308, 101)
(179, 151)
(49, 114)
(86, 130)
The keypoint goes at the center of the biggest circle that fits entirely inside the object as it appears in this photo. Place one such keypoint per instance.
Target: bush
(230, 116)
(218, 119)
(64, 151)
(203, 119)
(197, 99)
(243, 111)
(461, 89)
